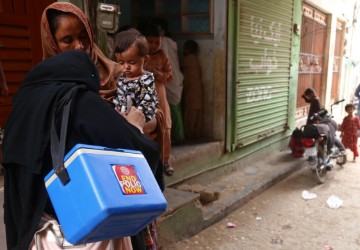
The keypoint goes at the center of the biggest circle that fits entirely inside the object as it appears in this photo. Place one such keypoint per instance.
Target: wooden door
(312, 54)
(20, 36)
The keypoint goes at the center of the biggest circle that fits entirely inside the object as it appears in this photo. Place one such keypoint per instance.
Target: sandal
(168, 170)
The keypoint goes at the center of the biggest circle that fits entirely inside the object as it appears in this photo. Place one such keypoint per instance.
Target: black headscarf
(28, 128)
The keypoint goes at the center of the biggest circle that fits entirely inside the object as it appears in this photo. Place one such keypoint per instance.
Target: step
(191, 159)
(182, 213)
(186, 216)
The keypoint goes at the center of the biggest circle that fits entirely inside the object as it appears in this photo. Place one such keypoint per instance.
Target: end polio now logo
(128, 179)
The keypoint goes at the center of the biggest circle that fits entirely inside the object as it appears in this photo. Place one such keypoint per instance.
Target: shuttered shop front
(263, 57)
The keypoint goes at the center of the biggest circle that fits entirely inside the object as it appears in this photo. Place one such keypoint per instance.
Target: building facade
(257, 58)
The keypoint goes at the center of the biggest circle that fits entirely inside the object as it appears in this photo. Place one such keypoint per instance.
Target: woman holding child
(64, 28)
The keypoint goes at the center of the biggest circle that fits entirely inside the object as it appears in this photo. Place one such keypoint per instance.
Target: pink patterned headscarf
(109, 70)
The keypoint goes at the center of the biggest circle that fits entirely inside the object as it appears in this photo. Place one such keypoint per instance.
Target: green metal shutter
(262, 69)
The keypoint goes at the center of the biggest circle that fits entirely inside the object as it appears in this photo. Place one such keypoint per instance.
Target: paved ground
(281, 218)
(235, 189)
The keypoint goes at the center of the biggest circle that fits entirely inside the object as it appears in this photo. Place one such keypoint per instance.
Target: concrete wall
(294, 70)
(336, 7)
(352, 55)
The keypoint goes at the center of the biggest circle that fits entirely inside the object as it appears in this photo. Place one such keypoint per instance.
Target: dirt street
(280, 218)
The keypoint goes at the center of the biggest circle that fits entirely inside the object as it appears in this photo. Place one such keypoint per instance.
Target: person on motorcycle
(331, 129)
(310, 97)
(327, 126)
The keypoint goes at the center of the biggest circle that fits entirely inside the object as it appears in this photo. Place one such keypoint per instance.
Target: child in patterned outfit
(349, 128)
(131, 52)
(136, 87)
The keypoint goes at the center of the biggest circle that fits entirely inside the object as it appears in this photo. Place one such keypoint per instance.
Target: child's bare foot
(354, 159)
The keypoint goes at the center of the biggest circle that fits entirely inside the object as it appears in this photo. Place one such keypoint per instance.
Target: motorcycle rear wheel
(320, 172)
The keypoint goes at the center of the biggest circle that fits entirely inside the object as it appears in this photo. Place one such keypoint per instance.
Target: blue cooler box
(111, 193)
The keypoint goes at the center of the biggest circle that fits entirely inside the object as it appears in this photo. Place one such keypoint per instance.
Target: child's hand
(118, 111)
(129, 104)
(135, 117)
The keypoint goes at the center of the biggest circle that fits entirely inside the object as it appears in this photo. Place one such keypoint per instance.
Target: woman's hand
(150, 127)
(135, 117)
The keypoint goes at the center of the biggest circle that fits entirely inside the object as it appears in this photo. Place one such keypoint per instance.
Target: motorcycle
(323, 149)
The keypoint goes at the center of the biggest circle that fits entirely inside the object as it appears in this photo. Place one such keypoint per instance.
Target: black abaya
(26, 144)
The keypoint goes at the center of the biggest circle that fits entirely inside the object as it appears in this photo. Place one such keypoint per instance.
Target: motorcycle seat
(311, 131)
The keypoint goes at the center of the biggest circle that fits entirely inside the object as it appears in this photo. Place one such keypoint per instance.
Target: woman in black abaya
(26, 145)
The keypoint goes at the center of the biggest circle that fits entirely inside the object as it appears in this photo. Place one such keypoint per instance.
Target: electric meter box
(108, 17)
